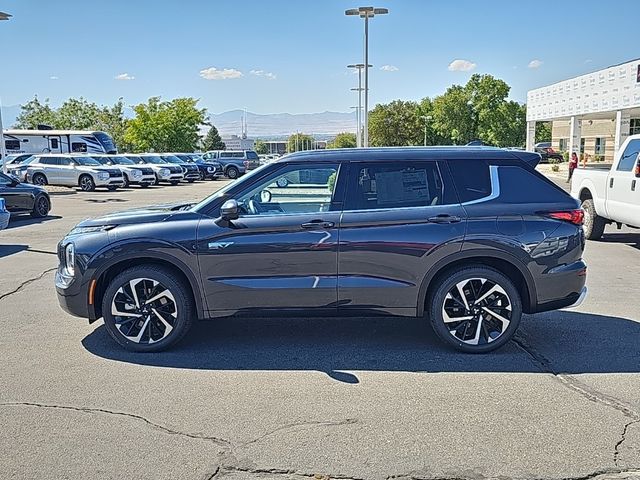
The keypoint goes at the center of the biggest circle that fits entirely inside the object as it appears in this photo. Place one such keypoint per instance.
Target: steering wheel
(254, 207)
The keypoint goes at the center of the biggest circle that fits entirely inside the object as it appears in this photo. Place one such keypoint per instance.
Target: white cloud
(389, 68)
(53, 77)
(124, 76)
(213, 73)
(588, 60)
(460, 65)
(262, 73)
(535, 63)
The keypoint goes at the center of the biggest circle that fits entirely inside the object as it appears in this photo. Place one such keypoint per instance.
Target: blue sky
(290, 56)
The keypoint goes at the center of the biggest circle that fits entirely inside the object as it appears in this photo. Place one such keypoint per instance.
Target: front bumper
(148, 179)
(73, 296)
(172, 177)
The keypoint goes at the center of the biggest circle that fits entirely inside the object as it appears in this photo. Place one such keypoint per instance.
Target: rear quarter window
(519, 185)
(472, 179)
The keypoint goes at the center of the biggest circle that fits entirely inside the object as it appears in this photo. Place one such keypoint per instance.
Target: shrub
(565, 156)
(555, 168)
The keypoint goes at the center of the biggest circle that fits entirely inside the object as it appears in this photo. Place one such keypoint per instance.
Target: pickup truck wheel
(593, 223)
(87, 184)
(147, 309)
(232, 173)
(39, 179)
(474, 309)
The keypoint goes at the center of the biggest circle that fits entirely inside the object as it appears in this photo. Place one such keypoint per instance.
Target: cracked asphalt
(360, 398)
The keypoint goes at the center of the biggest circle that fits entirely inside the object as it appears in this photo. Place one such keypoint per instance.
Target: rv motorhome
(58, 141)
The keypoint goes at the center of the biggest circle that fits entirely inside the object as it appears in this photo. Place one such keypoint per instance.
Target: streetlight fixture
(427, 119)
(366, 13)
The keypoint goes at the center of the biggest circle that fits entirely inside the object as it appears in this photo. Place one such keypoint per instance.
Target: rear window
(518, 185)
(472, 179)
(252, 155)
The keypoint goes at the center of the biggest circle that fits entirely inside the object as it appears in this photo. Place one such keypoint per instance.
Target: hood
(157, 213)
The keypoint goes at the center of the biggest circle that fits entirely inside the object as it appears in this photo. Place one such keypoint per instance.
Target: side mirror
(229, 210)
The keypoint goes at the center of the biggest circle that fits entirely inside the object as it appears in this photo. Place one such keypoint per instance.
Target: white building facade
(592, 113)
(234, 142)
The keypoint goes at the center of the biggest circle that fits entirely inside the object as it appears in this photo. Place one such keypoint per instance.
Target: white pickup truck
(610, 196)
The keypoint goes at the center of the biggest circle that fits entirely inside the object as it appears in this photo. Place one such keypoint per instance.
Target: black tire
(41, 207)
(478, 325)
(174, 182)
(191, 180)
(126, 181)
(201, 175)
(112, 188)
(176, 309)
(39, 179)
(86, 183)
(232, 173)
(593, 223)
(144, 185)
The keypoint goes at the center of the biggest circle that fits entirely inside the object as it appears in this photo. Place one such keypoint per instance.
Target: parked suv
(208, 170)
(132, 173)
(191, 172)
(547, 152)
(164, 171)
(467, 238)
(73, 171)
(234, 162)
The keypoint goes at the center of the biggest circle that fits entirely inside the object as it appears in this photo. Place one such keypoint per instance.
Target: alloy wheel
(86, 184)
(144, 310)
(477, 311)
(40, 180)
(42, 207)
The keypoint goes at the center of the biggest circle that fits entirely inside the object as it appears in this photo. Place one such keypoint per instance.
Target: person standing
(573, 164)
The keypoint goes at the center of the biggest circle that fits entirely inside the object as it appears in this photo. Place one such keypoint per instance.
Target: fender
(480, 254)
(135, 249)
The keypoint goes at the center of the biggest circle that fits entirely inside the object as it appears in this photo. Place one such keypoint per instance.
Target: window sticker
(407, 186)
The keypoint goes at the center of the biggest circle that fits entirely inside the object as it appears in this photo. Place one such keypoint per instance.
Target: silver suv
(73, 171)
(133, 174)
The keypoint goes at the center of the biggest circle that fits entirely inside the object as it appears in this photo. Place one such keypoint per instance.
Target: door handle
(445, 218)
(633, 186)
(611, 183)
(319, 224)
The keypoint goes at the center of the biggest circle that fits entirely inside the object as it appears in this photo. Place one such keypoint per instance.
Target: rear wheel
(87, 184)
(147, 309)
(232, 173)
(593, 223)
(39, 179)
(475, 309)
(41, 207)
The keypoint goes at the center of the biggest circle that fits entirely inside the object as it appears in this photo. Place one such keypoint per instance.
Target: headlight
(98, 228)
(163, 172)
(70, 259)
(136, 173)
(103, 176)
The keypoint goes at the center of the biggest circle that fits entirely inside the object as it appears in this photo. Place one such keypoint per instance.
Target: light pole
(426, 119)
(359, 66)
(3, 152)
(366, 13)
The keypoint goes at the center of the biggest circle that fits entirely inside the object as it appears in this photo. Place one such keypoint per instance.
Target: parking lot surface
(362, 398)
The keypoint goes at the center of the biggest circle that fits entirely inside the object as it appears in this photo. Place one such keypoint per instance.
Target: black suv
(468, 238)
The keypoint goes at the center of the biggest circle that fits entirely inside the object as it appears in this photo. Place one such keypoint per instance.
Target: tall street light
(3, 152)
(366, 13)
(426, 119)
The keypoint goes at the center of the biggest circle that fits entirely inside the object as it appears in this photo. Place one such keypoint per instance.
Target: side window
(252, 155)
(64, 161)
(629, 157)
(12, 144)
(518, 185)
(293, 189)
(472, 179)
(237, 154)
(225, 155)
(78, 147)
(4, 180)
(53, 143)
(394, 185)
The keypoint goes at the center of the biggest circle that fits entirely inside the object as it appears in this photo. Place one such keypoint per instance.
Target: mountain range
(266, 126)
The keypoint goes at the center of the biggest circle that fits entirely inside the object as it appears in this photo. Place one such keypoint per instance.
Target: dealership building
(592, 113)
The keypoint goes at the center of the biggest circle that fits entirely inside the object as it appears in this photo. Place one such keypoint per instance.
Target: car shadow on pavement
(631, 239)
(570, 342)
(25, 220)
(8, 250)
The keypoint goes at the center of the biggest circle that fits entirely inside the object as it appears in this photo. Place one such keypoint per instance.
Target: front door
(399, 219)
(623, 188)
(282, 251)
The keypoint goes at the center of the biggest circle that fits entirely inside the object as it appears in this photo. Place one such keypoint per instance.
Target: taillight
(637, 173)
(573, 216)
(246, 163)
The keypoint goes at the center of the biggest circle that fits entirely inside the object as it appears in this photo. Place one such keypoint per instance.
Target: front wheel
(87, 184)
(593, 223)
(475, 309)
(175, 182)
(147, 309)
(126, 181)
(41, 207)
(39, 179)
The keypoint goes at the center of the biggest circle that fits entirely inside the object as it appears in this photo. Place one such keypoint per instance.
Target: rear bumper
(561, 287)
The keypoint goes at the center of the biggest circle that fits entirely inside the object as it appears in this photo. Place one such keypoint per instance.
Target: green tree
(344, 140)
(34, 113)
(165, 126)
(453, 116)
(212, 140)
(395, 124)
(299, 141)
(509, 126)
(260, 147)
(543, 132)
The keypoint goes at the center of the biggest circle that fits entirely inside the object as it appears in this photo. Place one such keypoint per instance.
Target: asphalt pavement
(359, 398)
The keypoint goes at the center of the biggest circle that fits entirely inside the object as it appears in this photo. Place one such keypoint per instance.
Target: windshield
(106, 141)
(86, 161)
(152, 159)
(172, 159)
(122, 161)
(245, 178)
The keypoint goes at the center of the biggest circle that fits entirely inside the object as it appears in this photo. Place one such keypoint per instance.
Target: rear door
(623, 188)
(399, 219)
